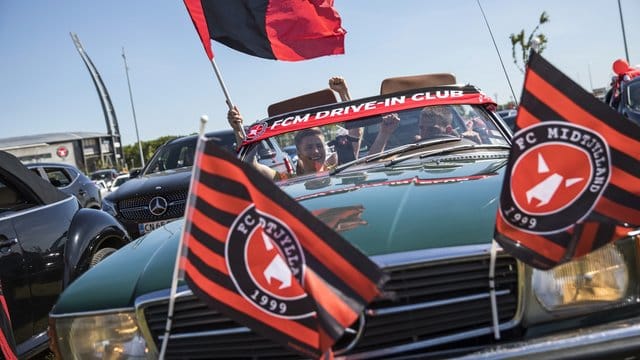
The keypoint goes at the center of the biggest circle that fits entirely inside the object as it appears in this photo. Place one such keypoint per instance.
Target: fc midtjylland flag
(572, 183)
(7, 343)
(259, 257)
(290, 30)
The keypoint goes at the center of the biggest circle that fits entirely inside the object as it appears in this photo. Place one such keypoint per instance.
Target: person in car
(435, 121)
(310, 143)
(310, 146)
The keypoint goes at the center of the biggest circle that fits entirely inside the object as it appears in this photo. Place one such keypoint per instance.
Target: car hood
(380, 210)
(164, 181)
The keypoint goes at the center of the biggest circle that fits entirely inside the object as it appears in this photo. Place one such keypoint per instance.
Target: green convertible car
(411, 178)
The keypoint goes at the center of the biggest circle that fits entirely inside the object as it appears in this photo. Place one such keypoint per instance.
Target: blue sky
(46, 88)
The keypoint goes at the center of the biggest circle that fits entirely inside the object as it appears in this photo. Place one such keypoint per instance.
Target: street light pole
(135, 122)
(624, 37)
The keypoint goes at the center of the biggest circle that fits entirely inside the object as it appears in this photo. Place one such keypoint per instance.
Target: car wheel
(101, 255)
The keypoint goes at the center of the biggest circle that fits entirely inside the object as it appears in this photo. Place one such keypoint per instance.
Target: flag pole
(133, 109)
(624, 36)
(179, 253)
(224, 90)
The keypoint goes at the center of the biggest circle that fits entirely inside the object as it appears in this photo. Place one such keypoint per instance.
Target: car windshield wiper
(396, 150)
(450, 150)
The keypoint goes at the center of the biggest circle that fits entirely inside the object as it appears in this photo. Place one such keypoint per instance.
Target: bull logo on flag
(559, 172)
(266, 263)
(572, 181)
(256, 255)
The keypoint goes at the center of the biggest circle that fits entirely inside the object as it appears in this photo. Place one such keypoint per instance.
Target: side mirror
(135, 173)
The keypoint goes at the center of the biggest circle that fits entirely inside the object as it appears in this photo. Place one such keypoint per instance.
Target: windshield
(173, 155)
(372, 138)
(120, 181)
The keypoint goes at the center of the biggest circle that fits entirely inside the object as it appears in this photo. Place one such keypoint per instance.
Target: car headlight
(599, 277)
(106, 336)
(109, 207)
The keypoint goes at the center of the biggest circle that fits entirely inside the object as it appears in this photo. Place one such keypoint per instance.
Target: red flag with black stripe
(259, 257)
(7, 343)
(290, 30)
(572, 183)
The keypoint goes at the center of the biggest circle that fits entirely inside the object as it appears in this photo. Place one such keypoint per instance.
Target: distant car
(102, 186)
(629, 104)
(46, 241)
(108, 175)
(292, 152)
(507, 112)
(510, 121)
(121, 179)
(70, 180)
(157, 195)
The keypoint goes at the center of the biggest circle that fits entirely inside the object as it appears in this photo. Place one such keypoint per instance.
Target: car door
(13, 271)
(66, 181)
(42, 233)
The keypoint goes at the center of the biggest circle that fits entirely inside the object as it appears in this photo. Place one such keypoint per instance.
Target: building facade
(88, 151)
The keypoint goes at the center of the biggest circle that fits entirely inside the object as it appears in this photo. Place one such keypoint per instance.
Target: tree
(132, 153)
(525, 47)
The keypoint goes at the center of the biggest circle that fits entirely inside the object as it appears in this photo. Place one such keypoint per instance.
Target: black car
(158, 193)
(71, 181)
(46, 241)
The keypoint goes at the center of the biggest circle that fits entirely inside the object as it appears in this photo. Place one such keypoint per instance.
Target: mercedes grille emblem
(158, 206)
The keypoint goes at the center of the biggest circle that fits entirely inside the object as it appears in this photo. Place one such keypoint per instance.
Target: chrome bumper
(620, 337)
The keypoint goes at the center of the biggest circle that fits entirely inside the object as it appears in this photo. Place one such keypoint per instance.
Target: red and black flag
(572, 183)
(7, 343)
(290, 30)
(259, 257)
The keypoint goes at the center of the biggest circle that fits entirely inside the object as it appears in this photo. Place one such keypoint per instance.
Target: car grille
(137, 208)
(425, 302)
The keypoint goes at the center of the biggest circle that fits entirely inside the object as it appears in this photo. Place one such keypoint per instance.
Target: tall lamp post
(133, 109)
(624, 37)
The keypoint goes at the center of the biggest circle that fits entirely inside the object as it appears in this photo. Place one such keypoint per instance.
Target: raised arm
(235, 120)
(388, 125)
(339, 85)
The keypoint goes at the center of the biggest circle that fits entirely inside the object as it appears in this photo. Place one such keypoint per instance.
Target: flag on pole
(7, 343)
(289, 30)
(572, 183)
(256, 255)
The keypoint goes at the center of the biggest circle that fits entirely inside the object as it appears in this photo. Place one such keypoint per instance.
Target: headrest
(402, 83)
(322, 97)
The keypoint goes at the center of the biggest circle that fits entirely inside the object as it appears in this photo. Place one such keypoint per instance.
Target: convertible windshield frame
(357, 109)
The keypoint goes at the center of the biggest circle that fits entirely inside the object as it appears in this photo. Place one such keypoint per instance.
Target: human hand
(389, 123)
(234, 118)
(337, 84)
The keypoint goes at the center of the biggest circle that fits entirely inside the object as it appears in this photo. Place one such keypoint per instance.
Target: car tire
(101, 255)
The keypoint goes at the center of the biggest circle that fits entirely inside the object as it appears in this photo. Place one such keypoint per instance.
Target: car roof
(50, 164)
(12, 168)
(208, 134)
(104, 171)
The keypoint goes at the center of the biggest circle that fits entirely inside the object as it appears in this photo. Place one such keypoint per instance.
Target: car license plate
(150, 226)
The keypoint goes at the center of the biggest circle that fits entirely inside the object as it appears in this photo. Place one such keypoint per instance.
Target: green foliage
(526, 45)
(132, 153)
